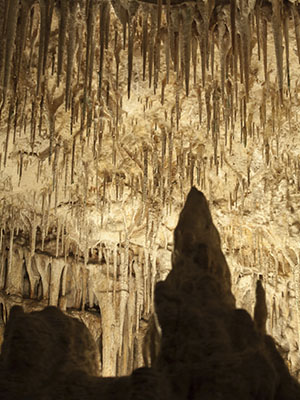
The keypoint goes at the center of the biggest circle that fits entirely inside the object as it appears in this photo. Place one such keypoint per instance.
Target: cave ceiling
(111, 110)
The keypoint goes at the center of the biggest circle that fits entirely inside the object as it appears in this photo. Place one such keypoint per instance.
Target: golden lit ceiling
(111, 110)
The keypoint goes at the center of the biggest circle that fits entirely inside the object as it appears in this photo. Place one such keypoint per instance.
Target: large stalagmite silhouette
(209, 349)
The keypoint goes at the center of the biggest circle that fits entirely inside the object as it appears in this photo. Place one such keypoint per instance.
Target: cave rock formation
(209, 349)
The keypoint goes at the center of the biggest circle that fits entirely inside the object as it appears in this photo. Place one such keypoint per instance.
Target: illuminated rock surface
(208, 349)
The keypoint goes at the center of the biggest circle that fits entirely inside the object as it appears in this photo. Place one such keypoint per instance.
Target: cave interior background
(110, 112)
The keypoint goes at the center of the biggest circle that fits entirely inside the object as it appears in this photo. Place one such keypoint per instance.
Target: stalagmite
(260, 310)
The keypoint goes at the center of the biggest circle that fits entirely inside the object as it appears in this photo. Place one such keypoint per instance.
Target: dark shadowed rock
(209, 349)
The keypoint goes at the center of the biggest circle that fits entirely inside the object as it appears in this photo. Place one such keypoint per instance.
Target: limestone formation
(209, 349)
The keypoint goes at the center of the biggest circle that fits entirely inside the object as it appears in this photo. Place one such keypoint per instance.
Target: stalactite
(3, 258)
(233, 31)
(277, 35)
(187, 39)
(41, 112)
(33, 231)
(114, 263)
(33, 124)
(203, 27)
(212, 53)
(22, 33)
(208, 107)
(203, 54)
(223, 46)
(194, 56)
(47, 33)
(265, 47)
(131, 34)
(11, 26)
(73, 159)
(177, 104)
(151, 44)
(297, 28)
(3, 22)
(63, 23)
(43, 220)
(70, 50)
(286, 39)
(48, 213)
(16, 116)
(144, 41)
(245, 50)
(173, 35)
(145, 173)
(139, 287)
(156, 59)
(46, 9)
(21, 167)
(104, 10)
(55, 174)
(10, 113)
(90, 49)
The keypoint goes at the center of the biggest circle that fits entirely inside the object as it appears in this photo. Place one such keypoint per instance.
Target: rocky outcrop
(208, 349)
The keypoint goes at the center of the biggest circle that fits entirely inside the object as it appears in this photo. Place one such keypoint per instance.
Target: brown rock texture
(209, 349)
(110, 111)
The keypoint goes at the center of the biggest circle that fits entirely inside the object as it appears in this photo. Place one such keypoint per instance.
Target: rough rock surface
(209, 349)
(92, 180)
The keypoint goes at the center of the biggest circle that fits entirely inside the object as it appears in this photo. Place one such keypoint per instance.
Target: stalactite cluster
(110, 111)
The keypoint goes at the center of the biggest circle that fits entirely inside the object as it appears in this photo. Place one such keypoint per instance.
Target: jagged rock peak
(197, 242)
